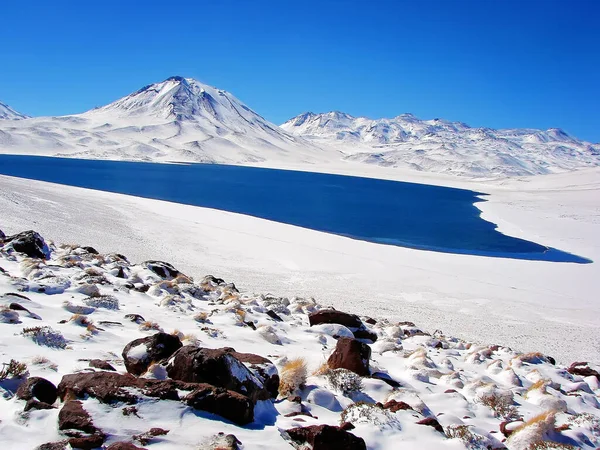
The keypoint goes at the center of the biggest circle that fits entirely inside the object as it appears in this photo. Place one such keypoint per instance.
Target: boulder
(365, 334)
(262, 368)
(38, 388)
(110, 387)
(352, 355)
(582, 369)
(164, 270)
(72, 416)
(395, 406)
(140, 353)
(34, 404)
(324, 437)
(123, 446)
(231, 405)
(102, 365)
(87, 442)
(333, 316)
(90, 250)
(218, 367)
(61, 445)
(28, 242)
(431, 422)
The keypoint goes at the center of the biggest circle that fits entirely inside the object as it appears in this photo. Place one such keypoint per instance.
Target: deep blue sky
(502, 63)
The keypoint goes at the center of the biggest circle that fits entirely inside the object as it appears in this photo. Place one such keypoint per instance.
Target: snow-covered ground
(70, 319)
(528, 305)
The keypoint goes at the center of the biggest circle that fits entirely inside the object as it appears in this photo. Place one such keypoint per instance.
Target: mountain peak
(7, 113)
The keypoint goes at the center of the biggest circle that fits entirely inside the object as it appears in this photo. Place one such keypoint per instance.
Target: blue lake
(388, 212)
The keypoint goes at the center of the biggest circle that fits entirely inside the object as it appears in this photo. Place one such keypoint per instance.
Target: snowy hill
(7, 113)
(441, 146)
(179, 119)
(101, 352)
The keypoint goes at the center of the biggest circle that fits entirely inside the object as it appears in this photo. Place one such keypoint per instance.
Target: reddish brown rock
(352, 355)
(157, 347)
(228, 404)
(333, 316)
(325, 437)
(38, 388)
(431, 422)
(87, 442)
(218, 367)
(123, 446)
(73, 416)
(102, 365)
(394, 406)
(262, 368)
(583, 369)
(110, 387)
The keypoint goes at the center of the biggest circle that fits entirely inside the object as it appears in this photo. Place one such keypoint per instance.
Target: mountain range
(181, 119)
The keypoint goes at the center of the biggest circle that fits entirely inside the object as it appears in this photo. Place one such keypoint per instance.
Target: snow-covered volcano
(442, 146)
(179, 119)
(7, 113)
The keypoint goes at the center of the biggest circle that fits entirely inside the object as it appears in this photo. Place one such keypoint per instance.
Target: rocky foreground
(99, 352)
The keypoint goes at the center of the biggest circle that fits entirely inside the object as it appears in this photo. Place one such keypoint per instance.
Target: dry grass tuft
(150, 326)
(292, 377)
(322, 370)
(538, 385)
(501, 404)
(13, 369)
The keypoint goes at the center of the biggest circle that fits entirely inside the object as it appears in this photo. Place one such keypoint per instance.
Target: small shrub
(501, 404)
(43, 361)
(80, 319)
(102, 301)
(549, 445)
(150, 326)
(470, 439)
(13, 369)
(371, 414)
(146, 437)
(344, 381)
(45, 336)
(538, 385)
(202, 317)
(322, 370)
(292, 377)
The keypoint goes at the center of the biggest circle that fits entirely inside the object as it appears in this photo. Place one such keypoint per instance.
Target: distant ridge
(442, 146)
(7, 113)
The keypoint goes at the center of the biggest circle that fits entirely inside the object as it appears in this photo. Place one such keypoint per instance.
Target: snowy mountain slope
(179, 119)
(442, 146)
(7, 113)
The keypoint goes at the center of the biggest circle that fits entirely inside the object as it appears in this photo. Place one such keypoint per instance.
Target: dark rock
(61, 445)
(102, 365)
(38, 388)
(90, 250)
(28, 242)
(273, 315)
(231, 405)
(123, 446)
(73, 416)
(352, 355)
(121, 273)
(110, 323)
(324, 437)
(87, 442)
(262, 368)
(110, 387)
(347, 426)
(365, 334)
(370, 321)
(394, 406)
(17, 307)
(333, 316)
(582, 369)
(218, 367)
(158, 347)
(299, 413)
(164, 270)
(135, 318)
(142, 288)
(551, 360)
(386, 379)
(431, 422)
(34, 404)
(14, 294)
(146, 437)
(2, 236)
(406, 324)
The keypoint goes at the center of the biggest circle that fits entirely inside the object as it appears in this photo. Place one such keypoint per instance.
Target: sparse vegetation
(470, 439)
(102, 301)
(45, 336)
(549, 445)
(292, 377)
(13, 369)
(344, 381)
(502, 404)
(369, 413)
(150, 326)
